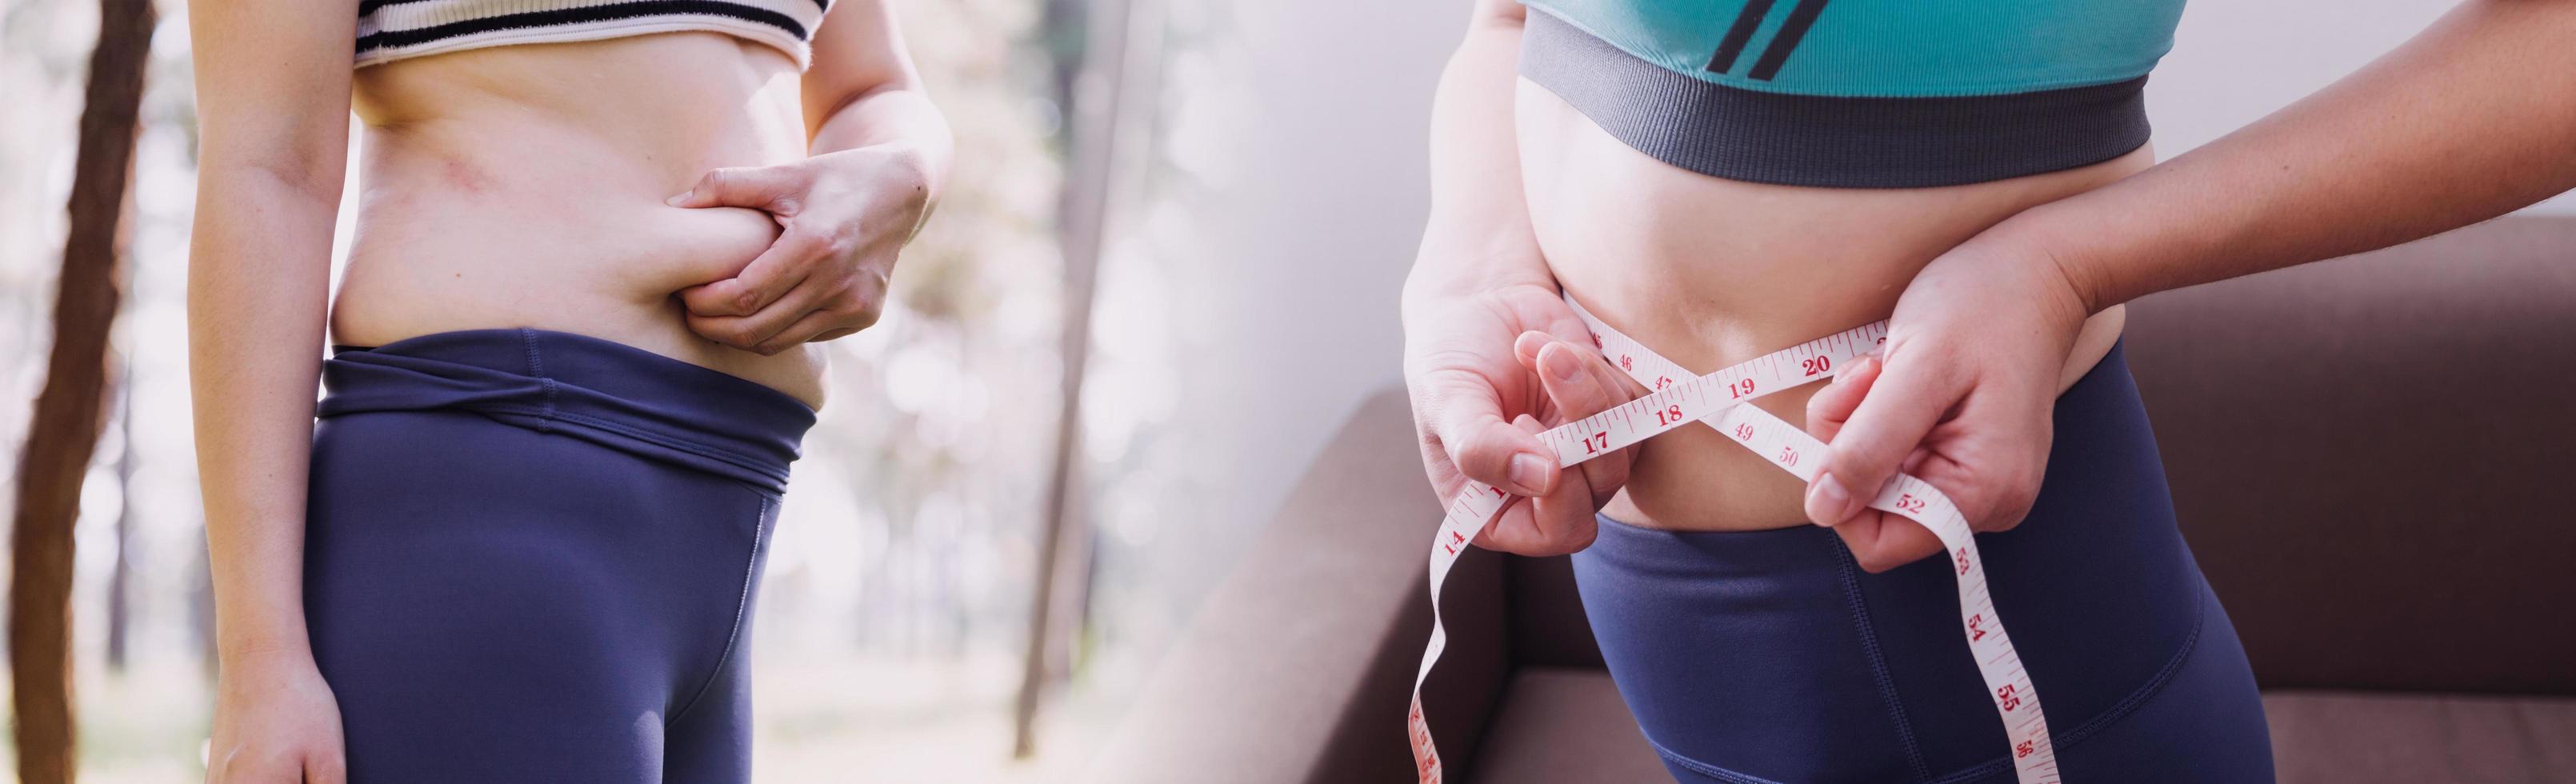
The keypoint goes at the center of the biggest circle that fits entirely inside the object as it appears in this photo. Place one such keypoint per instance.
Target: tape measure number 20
(1718, 401)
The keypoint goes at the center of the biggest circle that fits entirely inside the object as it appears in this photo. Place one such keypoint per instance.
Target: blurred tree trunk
(120, 577)
(1093, 115)
(65, 427)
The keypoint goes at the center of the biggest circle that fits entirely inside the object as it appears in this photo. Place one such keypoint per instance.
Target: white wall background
(1322, 190)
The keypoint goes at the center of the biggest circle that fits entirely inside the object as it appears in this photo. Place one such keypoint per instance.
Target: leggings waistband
(1772, 654)
(618, 396)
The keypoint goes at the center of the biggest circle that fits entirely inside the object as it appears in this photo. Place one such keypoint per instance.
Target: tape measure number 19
(1717, 400)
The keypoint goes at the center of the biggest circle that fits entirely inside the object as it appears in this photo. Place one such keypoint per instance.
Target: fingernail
(1827, 501)
(1561, 363)
(675, 200)
(1530, 472)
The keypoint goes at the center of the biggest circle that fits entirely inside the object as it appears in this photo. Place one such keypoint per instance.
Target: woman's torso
(1712, 271)
(525, 186)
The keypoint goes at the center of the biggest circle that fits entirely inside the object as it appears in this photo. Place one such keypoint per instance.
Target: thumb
(1898, 408)
(1470, 426)
(757, 187)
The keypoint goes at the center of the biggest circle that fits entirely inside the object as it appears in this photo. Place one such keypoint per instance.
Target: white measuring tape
(1679, 398)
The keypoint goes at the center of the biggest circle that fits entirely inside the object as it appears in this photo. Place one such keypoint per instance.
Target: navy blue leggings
(530, 557)
(1770, 656)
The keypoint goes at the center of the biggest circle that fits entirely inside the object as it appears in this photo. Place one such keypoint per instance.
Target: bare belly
(1711, 272)
(523, 186)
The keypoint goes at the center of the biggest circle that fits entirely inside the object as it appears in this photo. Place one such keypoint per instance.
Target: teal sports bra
(1857, 93)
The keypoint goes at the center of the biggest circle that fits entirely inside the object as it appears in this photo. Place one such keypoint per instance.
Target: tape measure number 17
(1717, 400)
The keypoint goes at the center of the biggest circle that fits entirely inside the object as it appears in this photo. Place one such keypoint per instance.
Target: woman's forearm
(2473, 118)
(862, 92)
(894, 117)
(272, 152)
(1478, 234)
(258, 287)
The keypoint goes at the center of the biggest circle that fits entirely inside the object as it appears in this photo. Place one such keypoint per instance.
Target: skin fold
(690, 194)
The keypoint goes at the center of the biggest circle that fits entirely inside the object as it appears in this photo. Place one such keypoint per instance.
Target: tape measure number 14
(1718, 401)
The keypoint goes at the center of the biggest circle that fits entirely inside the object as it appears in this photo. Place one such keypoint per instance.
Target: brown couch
(2374, 458)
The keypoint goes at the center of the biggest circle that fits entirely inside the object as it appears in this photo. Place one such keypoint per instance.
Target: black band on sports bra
(1830, 141)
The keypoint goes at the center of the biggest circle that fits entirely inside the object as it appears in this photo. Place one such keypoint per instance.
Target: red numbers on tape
(1910, 504)
(2025, 721)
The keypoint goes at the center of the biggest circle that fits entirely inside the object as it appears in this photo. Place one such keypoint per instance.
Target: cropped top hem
(393, 30)
(1830, 141)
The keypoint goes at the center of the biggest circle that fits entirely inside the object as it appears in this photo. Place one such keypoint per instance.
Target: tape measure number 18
(1717, 400)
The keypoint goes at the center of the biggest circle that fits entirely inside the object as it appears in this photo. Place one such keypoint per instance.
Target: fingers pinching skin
(757, 187)
(813, 328)
(1898, 409)
(787, 262)
(756, 331)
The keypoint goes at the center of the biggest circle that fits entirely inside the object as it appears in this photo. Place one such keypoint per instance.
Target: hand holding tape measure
(1679, 398)
(1961, 397)
(1480, 410)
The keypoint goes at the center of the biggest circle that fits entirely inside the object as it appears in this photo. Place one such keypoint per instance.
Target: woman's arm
(1479, 232)
(1482, 317)
(273, 120)
(863, 92)
(879, 154)
(2474, 117)
(2471, 119)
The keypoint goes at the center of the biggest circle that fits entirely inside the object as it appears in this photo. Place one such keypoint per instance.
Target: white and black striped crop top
(390, 30)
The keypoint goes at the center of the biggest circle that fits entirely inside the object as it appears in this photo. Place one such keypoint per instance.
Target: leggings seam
(2062, 741)
(537, 370)
(1878, 662)
(1705, 769)
(550, 414)
(2120, 710)
(742, 605)
(528, 341)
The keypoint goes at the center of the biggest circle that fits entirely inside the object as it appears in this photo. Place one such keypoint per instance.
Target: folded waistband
(612, 394)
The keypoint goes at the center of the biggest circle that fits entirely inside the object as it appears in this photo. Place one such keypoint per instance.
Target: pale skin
(2459, 125)
(789, 197)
